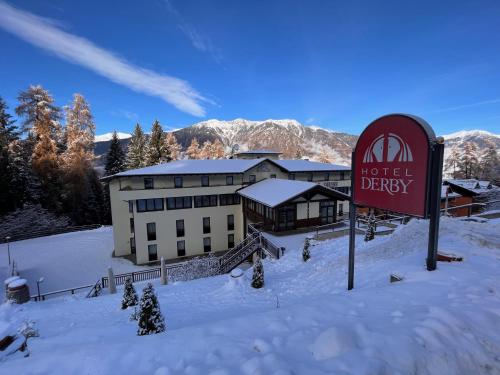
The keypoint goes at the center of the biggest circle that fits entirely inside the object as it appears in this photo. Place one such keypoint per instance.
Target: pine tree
(149, 318)
(469, 161)
(324, 157)
(172, 148)
(136, 155)
(206, 150)
(452, 162)
(306, 254)
(24, 185)
(41, 122)
(129, 294)
(490, 164)
(115, 158)
(8, 134)
(218, 150)
(193, 151)
(258, 274)
(156, 146)
(81, 194)
(370, 229)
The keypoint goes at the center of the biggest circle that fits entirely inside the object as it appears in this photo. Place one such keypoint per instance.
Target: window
(342, 176)
(148, 183)
(151, 229)
(310, 177)
(337, 176)
(206, 225)
(207, 245)
(291, 176)
(181, 248)
(179, 226)
(327, 176)
(132, 245)
(177, 203)
(230, 241)
(252, 178)
(229, 199)
(152, 252)
(230, 222)
(154, 204)
(273, 176)
(131, 206)
(205, 200)
(205, 181)
(229, 180)
(132, 227)
(178, 182)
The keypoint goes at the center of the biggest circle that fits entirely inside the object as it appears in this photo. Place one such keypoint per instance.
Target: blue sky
(334, 64)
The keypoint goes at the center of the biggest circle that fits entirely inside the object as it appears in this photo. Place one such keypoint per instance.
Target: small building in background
(258, 154)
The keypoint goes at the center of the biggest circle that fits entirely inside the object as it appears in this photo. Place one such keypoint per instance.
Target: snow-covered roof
(451, 194)
(191, 166)
(273, 191)
(258, 152)
(295, 165)
(476, 186)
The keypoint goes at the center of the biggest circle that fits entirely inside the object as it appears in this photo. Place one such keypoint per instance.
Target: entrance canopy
(281, 205)
(273, 192)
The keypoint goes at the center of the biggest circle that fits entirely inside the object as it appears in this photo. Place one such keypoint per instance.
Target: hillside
(302, 322)
(287, 136)
(290, 137)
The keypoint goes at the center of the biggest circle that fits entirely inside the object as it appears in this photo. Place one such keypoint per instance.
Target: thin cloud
(201, 42)
(465, 106)
(46, 35)
(129, 115)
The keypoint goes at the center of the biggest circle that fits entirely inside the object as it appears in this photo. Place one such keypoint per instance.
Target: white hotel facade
(192, 207)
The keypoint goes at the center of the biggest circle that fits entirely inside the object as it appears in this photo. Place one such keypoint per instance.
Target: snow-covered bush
(195, 268)
(370, 229)
(258, 274)
(149, 318)
(129, 294)
(306, 254)
(30, 218)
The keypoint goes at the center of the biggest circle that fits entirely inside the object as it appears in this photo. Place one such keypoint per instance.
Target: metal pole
(352, 240)
(352, 229)
(435, 202)
(38, 287)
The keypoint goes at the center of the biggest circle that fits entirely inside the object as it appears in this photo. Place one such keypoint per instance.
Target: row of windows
(205, 180)
(179, 181)
(179, 227)
(181, 247)
(177, 203)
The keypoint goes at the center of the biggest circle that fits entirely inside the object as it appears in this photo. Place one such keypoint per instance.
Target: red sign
(391, 165)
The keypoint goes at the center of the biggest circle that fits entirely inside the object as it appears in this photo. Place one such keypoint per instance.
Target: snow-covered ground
(65, 260)
(303, 321)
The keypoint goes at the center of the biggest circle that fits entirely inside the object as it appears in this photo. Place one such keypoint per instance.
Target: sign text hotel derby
(391, 165)
(396, 166)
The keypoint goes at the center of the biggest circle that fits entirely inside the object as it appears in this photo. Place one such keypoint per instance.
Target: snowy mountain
(108, 136)
(290, 137)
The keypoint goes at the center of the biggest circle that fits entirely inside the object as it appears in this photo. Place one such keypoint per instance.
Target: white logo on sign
(397, 149)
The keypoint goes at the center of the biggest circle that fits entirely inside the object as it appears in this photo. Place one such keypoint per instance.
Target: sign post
(397, 166)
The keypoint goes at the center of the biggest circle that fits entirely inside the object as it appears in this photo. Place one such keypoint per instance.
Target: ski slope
(303, 321)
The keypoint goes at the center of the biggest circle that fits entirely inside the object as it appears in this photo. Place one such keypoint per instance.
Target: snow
(303, 321)
(17, 283)
(309, 166)
(189, 166)
(470, 133)
(273, 191)
(109, 136)
(65, 260)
